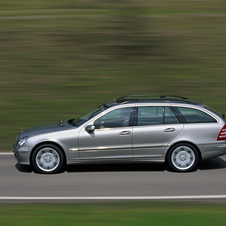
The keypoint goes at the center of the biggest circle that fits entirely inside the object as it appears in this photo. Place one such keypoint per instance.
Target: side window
(195, 116)
(156, 116)
(115, 118)
(170, 117)
(150, 115)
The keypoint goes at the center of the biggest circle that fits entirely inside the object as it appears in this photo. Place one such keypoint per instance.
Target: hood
(54, 127)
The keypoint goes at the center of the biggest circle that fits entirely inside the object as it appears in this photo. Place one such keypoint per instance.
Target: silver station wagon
(130, 129)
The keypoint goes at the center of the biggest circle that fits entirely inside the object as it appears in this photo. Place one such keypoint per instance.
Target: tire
(182, 157)
(47, 159)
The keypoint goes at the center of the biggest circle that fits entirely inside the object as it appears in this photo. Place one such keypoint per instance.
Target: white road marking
(182, 197)
(6, 153)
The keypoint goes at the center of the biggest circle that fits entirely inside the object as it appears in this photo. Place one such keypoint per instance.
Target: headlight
(22, 141)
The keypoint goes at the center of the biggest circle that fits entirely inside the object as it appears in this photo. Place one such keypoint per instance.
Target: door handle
(169, 130)
(125, 133)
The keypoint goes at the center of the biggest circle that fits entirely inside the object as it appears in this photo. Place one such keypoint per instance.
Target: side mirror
(90, 128)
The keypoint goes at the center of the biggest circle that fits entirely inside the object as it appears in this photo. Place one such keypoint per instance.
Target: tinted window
(150, 116)
(170, 117)
(115, 118)
(195, 116)
(156, 116)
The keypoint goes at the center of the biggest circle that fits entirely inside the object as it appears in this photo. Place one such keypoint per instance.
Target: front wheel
(47, 159)
(182, 157)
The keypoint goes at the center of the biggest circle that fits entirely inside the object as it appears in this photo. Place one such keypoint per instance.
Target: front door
(111, 139)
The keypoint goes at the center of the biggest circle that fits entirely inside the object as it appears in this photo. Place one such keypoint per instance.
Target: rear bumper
(213, 150)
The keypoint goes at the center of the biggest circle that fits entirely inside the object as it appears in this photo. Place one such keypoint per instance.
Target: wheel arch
(46, 143)
(184, 142)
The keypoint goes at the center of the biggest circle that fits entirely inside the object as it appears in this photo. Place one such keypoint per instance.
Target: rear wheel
(182, 157)
(47, 158)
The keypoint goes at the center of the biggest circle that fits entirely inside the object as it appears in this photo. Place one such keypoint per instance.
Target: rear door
(155, 127)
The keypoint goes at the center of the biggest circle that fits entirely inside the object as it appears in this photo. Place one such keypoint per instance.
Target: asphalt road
(18, 183)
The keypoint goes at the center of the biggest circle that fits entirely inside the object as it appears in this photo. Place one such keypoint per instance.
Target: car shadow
(101, 168)
(115, 167)
(24, 168)
(209, 164)
(213, 163)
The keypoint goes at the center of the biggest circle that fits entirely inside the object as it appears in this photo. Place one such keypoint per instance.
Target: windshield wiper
(71, 122)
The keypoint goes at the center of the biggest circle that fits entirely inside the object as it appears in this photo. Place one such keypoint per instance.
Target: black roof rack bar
(139, 97)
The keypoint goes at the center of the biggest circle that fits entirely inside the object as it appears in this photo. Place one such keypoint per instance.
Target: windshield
(79, 121)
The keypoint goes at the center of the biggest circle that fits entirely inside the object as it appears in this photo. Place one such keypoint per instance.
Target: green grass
(59, 59)
(128, 213)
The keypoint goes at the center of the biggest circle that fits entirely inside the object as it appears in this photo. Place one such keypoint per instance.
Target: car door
(155, 127)
(111, 137)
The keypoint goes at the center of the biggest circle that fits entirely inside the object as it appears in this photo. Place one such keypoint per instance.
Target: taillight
(222, 134)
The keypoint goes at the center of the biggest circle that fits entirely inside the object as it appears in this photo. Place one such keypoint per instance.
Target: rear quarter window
(192, 115)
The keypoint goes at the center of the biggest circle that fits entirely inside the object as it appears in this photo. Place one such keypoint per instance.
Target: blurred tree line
(126, 29)
(120, 31)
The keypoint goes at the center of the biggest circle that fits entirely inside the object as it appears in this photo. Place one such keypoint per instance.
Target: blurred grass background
(126, 214)
(61, 58)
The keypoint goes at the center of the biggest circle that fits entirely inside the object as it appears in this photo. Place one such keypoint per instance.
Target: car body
(130, 129)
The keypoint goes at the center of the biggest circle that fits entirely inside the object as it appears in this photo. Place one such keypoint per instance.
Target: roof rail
(146, 97)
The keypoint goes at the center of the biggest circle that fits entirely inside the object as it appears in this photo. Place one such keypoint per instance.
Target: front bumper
(21, 154)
